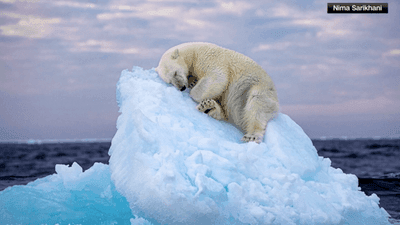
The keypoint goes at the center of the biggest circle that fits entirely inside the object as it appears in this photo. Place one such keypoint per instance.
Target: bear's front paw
(193, 83)
(252, 137)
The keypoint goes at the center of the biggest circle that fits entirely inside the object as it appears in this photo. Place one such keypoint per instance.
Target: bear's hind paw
(252, 138)
(212, 108)
(205, 105)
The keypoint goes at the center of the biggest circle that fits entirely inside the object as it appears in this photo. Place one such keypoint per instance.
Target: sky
(337, 75)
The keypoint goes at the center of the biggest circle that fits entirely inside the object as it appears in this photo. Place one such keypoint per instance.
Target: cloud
(103, 46)
(326, 27)
(278, 10)
(394, 52)
(144, 11)
(377, 105)
(175, 1)
(74, 4)
(321, 64)
(29, 26)
(184, 12)
(168, 21)
(14, 1)
(279, 46)
(391, 58)
(234, 7)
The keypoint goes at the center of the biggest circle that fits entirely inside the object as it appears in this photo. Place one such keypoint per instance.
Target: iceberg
(68, 197)
(170, 164)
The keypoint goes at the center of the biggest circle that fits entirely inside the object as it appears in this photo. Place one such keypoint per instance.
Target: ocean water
(374, 162)
(21, 162)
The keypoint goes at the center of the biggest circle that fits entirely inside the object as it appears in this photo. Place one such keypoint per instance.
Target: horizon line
(92, 140)
(50, 141)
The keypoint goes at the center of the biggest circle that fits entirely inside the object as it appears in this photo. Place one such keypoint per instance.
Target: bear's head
(173, 70)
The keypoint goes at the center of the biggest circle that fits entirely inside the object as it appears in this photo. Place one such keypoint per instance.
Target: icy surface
(171, 164)
(178, 166)
(68, 197)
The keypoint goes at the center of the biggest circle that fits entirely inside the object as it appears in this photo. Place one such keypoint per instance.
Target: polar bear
(227, 85)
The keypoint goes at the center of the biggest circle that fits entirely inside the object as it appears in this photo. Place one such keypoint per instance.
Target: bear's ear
(175, 55)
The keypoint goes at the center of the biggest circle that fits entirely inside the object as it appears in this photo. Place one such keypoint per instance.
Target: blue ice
(170, 164)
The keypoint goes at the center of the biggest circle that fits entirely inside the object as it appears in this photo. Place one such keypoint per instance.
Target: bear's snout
(183, 88)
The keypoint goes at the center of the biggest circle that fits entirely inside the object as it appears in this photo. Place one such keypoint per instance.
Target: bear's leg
(258, 111)
(210, 86)
(212, 108)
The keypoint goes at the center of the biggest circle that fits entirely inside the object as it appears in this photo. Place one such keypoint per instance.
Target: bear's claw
(211, 108)
(251, 137)
(193, 83)
(206, 104)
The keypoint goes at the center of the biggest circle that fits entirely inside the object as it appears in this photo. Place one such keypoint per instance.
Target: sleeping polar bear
(228, 85)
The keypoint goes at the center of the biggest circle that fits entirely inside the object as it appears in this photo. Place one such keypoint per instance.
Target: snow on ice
(171, 164)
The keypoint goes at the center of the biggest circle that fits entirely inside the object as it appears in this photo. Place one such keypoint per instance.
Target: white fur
(229, 86)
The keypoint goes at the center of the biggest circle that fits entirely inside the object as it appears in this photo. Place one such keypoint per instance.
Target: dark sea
(376, 163)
